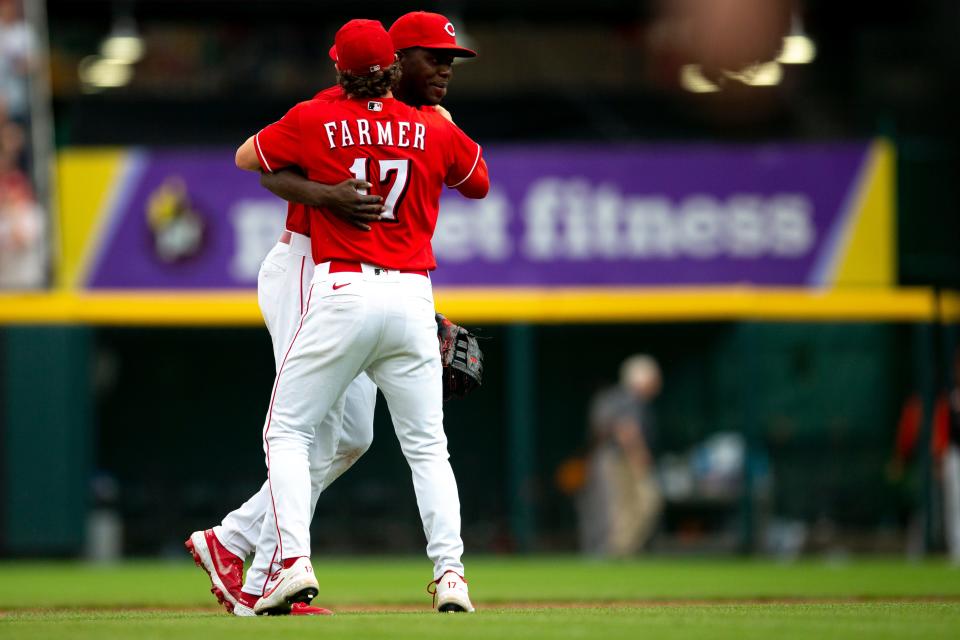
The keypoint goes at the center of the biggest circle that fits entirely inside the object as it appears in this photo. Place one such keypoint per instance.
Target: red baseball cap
(362, 47)
(429, 31)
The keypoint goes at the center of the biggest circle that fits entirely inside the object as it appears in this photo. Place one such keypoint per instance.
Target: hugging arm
(343, 199)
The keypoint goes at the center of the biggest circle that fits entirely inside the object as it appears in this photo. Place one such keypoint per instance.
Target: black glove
(461, 358)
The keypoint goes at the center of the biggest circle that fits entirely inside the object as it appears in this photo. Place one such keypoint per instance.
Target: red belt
(344, 266)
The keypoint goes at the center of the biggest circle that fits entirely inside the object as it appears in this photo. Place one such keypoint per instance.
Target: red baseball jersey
(297, 218)
(406, 154)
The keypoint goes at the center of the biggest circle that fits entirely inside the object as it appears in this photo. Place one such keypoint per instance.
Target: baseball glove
(461, 358)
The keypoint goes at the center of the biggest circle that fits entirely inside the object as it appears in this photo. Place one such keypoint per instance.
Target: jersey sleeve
(466, 158)
(478, 184)
(278, 145)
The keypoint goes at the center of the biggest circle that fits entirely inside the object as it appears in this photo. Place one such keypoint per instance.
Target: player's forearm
(290, 185)
(246, 157)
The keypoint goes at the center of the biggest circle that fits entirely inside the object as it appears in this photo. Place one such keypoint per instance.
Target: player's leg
(261, 565)
(353, 416)
(410, 379)
(329, 349)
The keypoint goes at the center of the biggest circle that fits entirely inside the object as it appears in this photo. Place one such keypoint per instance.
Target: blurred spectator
(22, 221)
(16, 59)
(22, 244)
(13, 147)
(620, 501)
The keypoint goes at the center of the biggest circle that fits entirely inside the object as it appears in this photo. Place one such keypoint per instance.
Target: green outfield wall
(174, 417)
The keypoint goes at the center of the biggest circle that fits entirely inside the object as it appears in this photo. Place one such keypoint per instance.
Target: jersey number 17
(397, 171)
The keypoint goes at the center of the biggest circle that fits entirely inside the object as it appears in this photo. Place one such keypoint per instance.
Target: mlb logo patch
(373, 105)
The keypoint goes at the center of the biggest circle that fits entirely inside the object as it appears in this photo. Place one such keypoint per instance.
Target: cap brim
(458, 52)
(333, 53)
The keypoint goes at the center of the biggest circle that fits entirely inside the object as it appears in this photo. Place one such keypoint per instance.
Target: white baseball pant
(381, 322)
(282, 285)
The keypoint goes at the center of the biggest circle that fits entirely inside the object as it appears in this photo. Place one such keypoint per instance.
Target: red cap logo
(428, 31)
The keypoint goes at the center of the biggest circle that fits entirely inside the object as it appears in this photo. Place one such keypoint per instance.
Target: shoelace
(434, 592)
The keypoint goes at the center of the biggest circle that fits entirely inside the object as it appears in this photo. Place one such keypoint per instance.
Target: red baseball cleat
(224, 568)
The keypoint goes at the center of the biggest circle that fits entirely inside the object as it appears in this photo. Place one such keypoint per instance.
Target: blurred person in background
(620, 501)
(22, 222)
(22, 255)
(13, 147)
(16, 59)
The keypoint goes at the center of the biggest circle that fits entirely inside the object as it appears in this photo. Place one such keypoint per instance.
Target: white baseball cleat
(450, 594)
(296, 583)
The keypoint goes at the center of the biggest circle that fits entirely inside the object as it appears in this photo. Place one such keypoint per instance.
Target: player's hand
(349, 201)
(444, 112)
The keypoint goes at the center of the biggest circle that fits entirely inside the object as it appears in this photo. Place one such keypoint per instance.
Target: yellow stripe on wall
(115, 308)
(85, 178)
(684, 304)
(474, 305)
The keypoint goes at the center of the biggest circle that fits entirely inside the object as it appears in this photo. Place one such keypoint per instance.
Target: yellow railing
(498, 305)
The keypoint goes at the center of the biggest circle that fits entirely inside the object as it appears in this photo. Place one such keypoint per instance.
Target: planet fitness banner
(556, 216)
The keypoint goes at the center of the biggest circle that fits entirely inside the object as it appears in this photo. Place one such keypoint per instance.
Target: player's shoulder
(317, 107)
(432, 118)
(429, 114)
(331, 94)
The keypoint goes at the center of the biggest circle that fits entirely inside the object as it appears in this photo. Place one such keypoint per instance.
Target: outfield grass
(767, 622)
(559, 598)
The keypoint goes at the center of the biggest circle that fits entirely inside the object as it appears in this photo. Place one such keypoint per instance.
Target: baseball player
(369, 308)
(427, 46)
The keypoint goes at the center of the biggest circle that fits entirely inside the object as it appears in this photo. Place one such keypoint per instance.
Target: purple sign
(555, 216)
